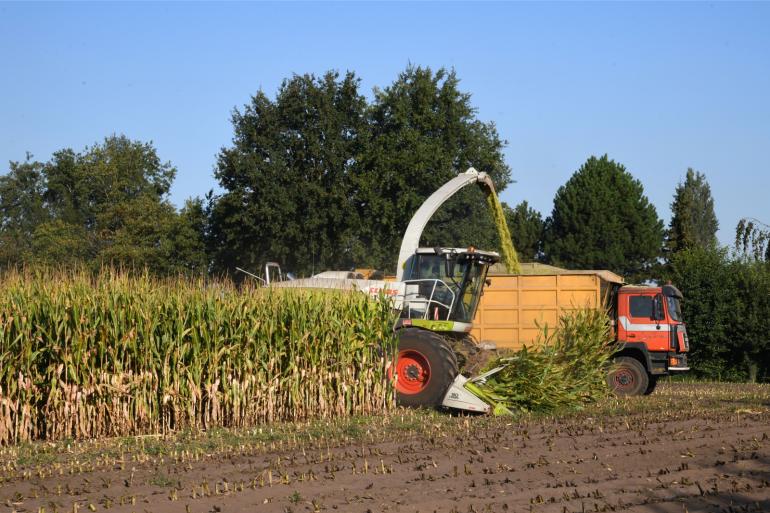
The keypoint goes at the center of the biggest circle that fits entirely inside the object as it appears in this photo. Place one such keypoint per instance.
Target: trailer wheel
(425, 368)
(628, 376)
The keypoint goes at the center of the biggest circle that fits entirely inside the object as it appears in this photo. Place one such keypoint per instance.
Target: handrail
(432, 293)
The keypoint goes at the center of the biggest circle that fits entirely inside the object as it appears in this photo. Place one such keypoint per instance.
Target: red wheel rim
(412, 372)
(623, 379)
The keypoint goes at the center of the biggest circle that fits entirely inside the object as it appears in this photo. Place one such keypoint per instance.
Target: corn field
(114, 355)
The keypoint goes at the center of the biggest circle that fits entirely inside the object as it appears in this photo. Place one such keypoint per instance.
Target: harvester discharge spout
(411, 240)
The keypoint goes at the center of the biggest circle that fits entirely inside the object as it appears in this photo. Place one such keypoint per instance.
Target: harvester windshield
(445, 284)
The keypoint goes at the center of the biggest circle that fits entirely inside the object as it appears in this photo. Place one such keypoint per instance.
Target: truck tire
(651, 386)
(627, 376)
(425, 368)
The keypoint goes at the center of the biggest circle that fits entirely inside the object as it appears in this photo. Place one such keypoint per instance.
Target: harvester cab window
(641, 306)
(471, 293)
(434, 290)
(430, 268)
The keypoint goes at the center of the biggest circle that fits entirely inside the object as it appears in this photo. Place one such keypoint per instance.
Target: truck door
(640, 323)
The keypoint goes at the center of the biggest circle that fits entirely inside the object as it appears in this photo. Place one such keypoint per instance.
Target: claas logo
(388, 292)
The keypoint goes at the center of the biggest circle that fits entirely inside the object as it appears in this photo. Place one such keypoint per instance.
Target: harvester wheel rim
(412, 372)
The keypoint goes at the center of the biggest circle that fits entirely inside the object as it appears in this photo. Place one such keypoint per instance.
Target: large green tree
(424, 131)
(601, 219)
(107, 205)
(289, 177)
(316, 178)
(526, 227)
(22, 210)
(693, 221)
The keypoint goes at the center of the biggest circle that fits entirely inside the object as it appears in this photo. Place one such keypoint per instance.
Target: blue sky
(657, 86)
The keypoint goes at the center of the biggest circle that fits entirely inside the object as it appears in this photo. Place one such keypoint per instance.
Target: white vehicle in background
(272, 274)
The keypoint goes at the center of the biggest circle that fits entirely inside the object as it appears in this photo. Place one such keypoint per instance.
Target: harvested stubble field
(688, 447)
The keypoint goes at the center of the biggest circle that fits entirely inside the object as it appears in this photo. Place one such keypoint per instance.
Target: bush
(727, 311)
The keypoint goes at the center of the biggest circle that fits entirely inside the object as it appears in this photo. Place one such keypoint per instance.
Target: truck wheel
(425, 368)
(628, 376)
(651, 386)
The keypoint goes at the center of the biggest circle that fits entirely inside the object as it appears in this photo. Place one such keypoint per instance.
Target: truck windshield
(674, 308)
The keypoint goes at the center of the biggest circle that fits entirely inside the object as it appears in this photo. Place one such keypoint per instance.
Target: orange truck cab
(649, 324)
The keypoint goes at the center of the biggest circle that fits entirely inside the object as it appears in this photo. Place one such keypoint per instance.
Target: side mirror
(657, 308)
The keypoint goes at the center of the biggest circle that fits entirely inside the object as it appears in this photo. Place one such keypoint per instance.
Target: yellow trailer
(514, 308)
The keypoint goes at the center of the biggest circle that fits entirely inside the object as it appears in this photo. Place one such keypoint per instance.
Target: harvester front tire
(628, 376)
(425, 368)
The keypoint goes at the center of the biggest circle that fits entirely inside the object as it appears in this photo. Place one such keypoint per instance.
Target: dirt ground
(686, 448)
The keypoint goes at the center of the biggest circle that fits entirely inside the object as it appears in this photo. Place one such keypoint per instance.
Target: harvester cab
(444, 285)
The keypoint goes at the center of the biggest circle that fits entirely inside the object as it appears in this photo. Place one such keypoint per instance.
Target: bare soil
(686, 448)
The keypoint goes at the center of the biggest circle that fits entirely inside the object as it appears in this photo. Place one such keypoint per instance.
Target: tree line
(107, 204)
(319, 176)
